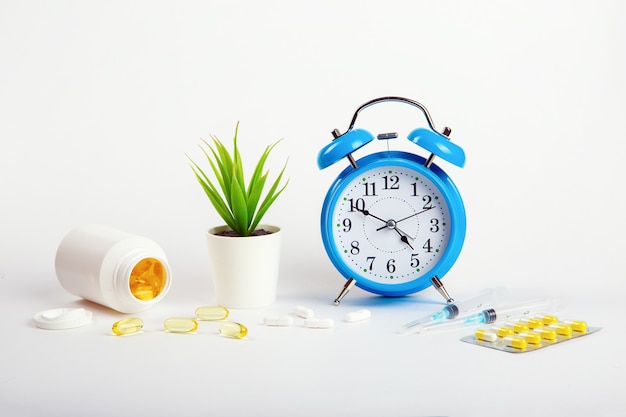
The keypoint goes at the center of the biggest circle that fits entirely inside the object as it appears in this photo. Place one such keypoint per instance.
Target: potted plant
(244, 254)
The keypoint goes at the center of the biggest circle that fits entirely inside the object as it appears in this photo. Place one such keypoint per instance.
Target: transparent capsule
(545, 333)
(233, 330)
(211, 313)
(515, 342)
(127, 326)
(180, 325)
(143, 293)
(503, 331)
(486, 335)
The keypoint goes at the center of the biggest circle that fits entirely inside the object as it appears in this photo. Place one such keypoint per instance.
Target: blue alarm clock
(393, 223)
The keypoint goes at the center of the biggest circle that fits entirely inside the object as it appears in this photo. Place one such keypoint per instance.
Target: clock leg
(346, 288)
(442, 290)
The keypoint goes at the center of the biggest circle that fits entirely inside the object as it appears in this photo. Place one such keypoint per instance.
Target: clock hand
(403, 237)
(402, 232)
(415, 214)
(367, 213)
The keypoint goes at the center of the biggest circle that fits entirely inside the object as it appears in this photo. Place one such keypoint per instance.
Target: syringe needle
(491, 315)
(451, 311)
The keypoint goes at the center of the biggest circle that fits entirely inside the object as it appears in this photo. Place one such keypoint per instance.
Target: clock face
(389, 224)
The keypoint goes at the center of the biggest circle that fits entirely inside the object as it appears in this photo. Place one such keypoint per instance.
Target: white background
(100, 102)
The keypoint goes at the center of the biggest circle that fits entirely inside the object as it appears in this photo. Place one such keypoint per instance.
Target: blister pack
(529, 334)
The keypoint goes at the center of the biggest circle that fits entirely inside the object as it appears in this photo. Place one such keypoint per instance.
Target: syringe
(451, 311)
(491, 315)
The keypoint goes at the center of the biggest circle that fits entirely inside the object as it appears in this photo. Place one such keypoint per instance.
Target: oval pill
(144, 293)
(315, 323)
(127, 326)
(273, 320)
(515, 342)
(211, 313)
(233, 330)
(486, 335)
(359, 315)
(303, 312)
(180, 325)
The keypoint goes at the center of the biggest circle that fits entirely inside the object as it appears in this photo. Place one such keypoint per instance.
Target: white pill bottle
(122, 271)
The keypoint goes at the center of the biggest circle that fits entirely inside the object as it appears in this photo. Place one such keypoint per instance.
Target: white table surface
(354, 369)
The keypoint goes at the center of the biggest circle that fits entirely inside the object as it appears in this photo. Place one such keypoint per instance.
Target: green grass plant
(241, 206)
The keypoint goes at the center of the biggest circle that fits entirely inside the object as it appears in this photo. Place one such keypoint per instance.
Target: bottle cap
(62, 318)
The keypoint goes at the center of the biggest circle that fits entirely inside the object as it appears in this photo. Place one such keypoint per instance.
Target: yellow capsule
(577, 325)
(486, 335)
(532, 338)
(211, 313)
(144, 293)
(532, 323)
(127, 326)
(503, 331)
(233, 330)
(561, 329)
(548, 319)
(180, 325)
(517, 327)
(515, 342)
(547, 334)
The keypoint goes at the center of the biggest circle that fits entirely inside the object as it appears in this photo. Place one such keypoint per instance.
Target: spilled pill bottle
(122, 271)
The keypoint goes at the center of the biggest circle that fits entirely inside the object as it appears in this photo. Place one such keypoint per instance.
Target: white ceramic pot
(244, 269)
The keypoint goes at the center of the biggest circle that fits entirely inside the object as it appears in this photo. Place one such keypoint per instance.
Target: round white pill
(274, 320)
(358, 315)
(303, 312)
(315, 323)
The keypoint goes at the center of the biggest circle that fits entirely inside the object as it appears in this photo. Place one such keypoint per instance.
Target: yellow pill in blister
(127, 326)
(561, 329)
(180, 325)
(577, 325)
(233, 330)
(211, 313)
(532, 338)
(486, 335)
(503, 331)
(548, 319)
(532, 323)
(518, 327)
(515, 342)
(547, 334)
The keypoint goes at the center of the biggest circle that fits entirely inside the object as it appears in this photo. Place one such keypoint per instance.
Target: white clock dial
(391, 225)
